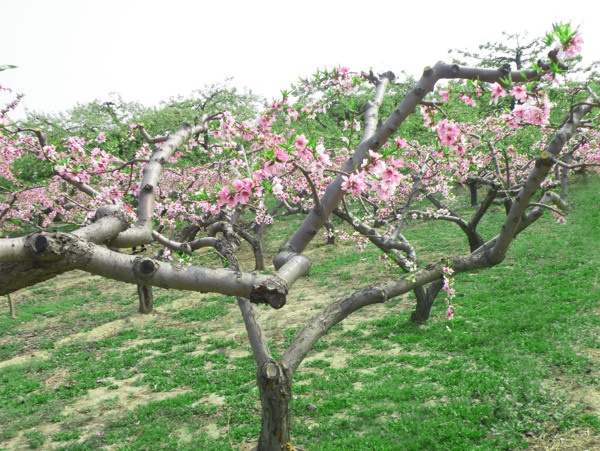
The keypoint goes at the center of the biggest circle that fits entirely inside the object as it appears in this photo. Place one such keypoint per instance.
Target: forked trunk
(425, 298)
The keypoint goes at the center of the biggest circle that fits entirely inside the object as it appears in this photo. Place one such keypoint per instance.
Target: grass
(518, 370)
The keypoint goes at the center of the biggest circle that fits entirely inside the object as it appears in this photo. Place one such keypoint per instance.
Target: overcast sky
(70, 51)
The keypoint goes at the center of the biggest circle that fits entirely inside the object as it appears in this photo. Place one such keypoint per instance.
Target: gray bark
(11, 306)
(275, 385)
(564, 177)
(141, 233)
(146, 298)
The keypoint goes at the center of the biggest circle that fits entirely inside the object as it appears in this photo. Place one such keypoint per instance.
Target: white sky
(70, 51)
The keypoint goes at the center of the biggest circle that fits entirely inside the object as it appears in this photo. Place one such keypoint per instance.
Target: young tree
(377, 162)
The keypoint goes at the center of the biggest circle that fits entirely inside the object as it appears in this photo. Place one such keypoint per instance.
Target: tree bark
(11, 306)
(275, 385)
(564, 177)
(425, 299)
(256, 243)
(473, 189)
(146, 298)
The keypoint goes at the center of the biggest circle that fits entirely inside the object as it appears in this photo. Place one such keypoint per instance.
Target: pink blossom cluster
(239, 192)
(290, 163)
(449, 134)
(572, 48)
(534, 110)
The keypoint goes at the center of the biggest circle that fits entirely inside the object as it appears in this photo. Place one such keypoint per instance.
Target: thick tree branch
(67, 252)
(142, 232)
(149, 139)
(542, 167)
(173, 245)
(334, 193)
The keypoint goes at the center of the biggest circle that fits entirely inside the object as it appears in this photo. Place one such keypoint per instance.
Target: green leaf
(291, 141)
(7, 66)
(549, 39)
(200, 196)
(267, 186)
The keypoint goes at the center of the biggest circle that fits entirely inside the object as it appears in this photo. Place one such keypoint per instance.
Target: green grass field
(80, 369)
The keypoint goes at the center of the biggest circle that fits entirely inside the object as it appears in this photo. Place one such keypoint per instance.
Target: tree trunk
(425, 298)
(564, 178)
(256, 243)
(475, 240)
(331, 236)
(259, 259)
(275, 385)
(473, 189)
(257, 248)
(146, 298)
(11, 306)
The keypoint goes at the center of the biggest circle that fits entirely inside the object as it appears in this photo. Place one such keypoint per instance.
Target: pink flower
(496, 93)
(445, 95)
(257, 176)
(50, 152)
(392, 175)
(400, 142)
(448, 132)
(304, 154)
(447, 140)
(226, 197)
(426, 117)
(278, 188)
(354, 183)
(383, 188)
(467, 99)
(574, 48)
(281, 155)
(374, 155)
(377, 167)
(264, 121)
(321, 156)
(101, 138)
(301, 141)
(60, 168)
(397, 162)
(519, 92)
(243, 191)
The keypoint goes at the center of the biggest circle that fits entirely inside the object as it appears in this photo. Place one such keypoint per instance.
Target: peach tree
(126, 214)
